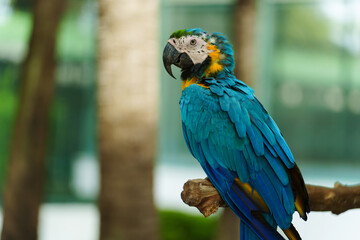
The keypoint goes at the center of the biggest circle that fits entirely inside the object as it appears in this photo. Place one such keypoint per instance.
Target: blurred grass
(180, 226)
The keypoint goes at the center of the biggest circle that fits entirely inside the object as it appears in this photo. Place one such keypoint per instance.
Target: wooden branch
(201, 194)
(337, 200)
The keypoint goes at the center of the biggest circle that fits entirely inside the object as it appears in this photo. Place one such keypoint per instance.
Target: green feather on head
(183, 32)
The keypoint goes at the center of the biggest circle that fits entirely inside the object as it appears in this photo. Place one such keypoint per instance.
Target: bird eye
(192, 41)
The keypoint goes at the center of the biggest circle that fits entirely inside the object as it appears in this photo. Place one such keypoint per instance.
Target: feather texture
(228, 130)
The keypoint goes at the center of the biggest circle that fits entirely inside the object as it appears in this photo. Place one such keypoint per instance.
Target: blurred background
(302, 57)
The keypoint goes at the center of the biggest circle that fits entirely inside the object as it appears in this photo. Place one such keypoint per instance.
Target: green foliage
(24, 5)
(7, 117)
(181, 226)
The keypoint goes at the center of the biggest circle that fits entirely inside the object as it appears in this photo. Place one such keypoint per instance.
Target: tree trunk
(24, 183)
(244, 57)
(245, 29)
(127, 97)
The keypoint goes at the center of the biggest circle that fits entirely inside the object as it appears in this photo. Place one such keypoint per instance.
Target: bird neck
(190, 81)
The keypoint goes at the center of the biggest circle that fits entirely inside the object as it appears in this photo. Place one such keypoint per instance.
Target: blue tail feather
(246, 233)
(242, 205)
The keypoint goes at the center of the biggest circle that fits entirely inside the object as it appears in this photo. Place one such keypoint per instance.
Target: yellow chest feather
(191, 81)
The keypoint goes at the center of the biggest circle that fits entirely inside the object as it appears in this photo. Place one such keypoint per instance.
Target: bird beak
(173, 56)
(170, 56)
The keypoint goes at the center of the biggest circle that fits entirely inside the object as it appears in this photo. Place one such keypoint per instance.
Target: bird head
(198, 54)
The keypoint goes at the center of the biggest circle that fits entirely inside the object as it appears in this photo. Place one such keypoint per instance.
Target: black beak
(172, 56)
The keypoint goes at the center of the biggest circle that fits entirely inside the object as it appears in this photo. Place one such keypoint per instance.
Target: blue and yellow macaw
(233, 137)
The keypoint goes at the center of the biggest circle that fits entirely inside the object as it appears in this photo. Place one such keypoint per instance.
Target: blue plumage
(235, 140)
(216, 134)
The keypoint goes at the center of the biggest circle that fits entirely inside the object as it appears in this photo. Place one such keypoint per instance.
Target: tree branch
(201, 194)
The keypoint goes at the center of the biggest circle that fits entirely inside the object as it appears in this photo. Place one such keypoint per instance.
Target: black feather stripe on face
(196, 70)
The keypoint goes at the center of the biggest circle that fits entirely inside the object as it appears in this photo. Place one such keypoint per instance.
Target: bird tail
(246, 233)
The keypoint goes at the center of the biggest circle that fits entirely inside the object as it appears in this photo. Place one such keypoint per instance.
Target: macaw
(235, 140)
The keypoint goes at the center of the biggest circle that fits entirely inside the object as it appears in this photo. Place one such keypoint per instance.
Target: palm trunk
(127, 96)
(245, 29)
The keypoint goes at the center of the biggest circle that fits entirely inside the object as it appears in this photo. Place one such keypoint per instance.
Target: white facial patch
(194, 46)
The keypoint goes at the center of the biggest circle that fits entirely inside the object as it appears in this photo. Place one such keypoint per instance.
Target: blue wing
(232, 136)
